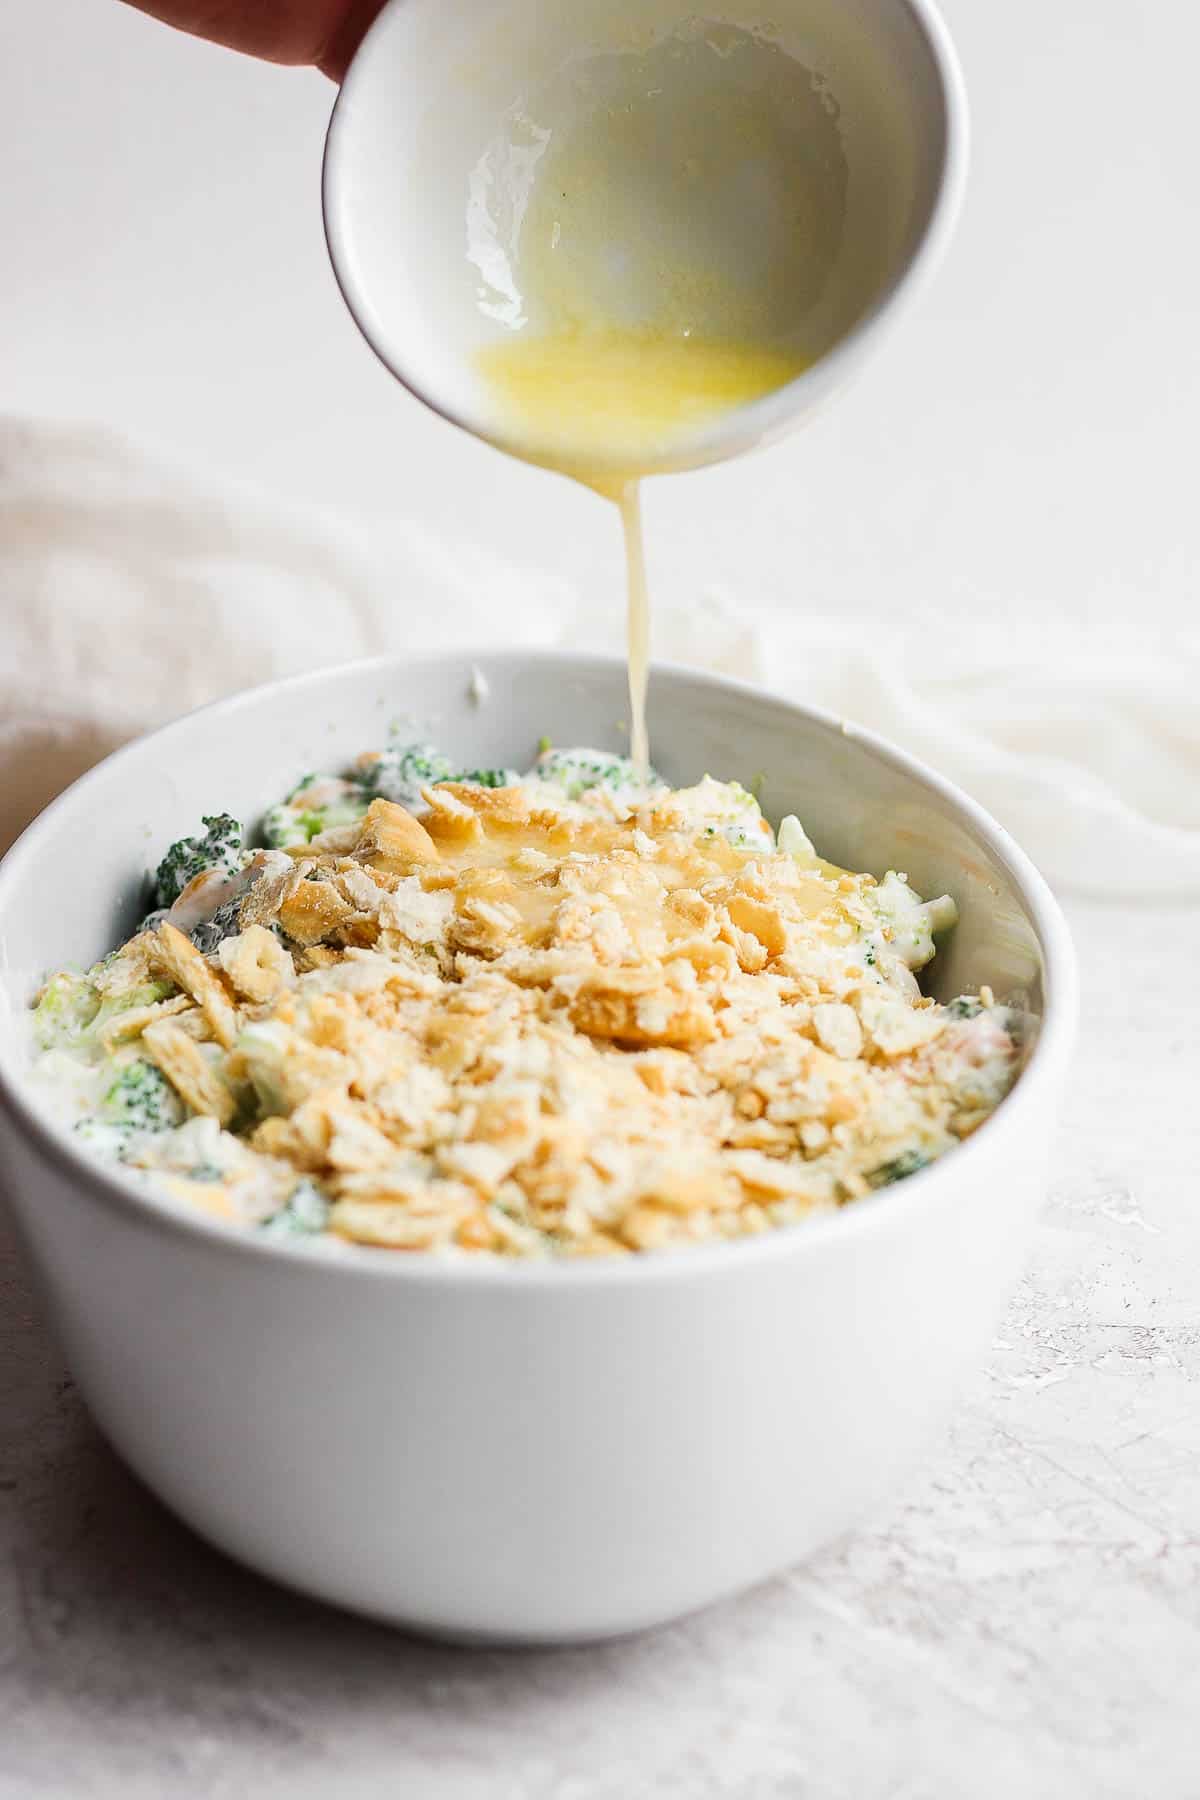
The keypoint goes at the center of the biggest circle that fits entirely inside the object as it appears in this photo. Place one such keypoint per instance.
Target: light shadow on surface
(126, 1625)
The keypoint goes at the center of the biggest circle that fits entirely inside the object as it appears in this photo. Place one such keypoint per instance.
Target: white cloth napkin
(130, 591)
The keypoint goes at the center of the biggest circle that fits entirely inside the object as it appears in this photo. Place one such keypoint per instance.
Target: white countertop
(1025, 1618)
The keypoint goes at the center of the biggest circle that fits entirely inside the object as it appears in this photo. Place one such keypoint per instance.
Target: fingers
(357, 18)
(323, 32)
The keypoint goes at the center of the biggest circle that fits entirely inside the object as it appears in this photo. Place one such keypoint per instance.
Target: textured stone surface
(1024, 1619)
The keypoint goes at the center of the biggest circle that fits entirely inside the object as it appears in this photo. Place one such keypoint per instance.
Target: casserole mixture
(573, 1012)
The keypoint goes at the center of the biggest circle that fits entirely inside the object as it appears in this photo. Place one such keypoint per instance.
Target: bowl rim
(49, 1141)
(745, 426)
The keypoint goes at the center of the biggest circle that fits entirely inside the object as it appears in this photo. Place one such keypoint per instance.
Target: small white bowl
(527, 1453)
(438, 138)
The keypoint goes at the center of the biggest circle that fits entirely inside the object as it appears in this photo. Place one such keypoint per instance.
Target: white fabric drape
(130, 592)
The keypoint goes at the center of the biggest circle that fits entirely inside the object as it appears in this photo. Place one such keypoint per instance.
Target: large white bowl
(524, 1452)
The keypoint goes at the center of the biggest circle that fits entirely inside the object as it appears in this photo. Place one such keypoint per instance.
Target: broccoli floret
(401, 771)
(142, 1098)
(745, 836)
(281, 827)
(112, 1005)
(316, 804)
(65, 1008)
(490, 778)
(137, 1100)
(907, 1163)
(576, 772)
(306, 1212)
(72, 1012)
(912, 921)
(104, 1137)
(219, 848)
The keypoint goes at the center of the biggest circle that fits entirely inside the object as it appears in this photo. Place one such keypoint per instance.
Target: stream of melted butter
(604, 407)
(659, 229)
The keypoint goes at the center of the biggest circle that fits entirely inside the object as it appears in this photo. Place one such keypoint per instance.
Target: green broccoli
(907, 1163)
(317, 803)
(142, 1098)
(489, 778)
(219, 848)
(911, 921)
(402, 770)
(305, 1213)
(71, 1011)
(285, 826)
(578, 771)
(64, 1010)
(104, 1138)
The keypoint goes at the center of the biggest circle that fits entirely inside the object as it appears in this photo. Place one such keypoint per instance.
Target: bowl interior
(763, 171)
(74, 885)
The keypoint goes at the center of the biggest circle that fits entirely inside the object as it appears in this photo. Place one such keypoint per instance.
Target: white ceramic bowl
(452, 110)
(525, 1452)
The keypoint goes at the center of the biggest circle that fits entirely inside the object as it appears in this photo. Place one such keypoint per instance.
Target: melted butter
(602, 407)
(485, 857)
(660, 231)
(623, 399)
(637, 622)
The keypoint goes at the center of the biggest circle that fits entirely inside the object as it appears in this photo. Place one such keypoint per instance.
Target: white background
(1024, 1620)
(1026, 441)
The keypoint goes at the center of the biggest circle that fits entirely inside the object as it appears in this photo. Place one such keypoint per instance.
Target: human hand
(325, 33)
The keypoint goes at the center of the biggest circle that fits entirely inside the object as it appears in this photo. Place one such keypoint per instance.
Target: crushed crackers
(497, 1022)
